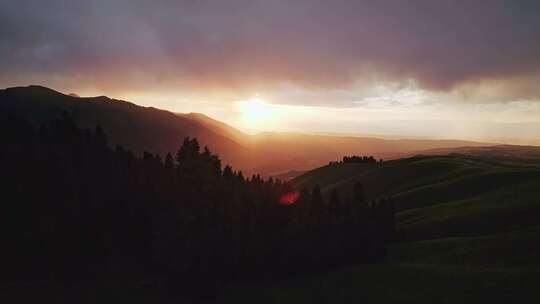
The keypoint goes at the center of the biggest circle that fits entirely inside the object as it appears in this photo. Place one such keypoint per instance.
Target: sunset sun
(256, 112)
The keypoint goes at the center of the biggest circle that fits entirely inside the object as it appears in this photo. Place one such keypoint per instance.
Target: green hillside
(441, 196)
(408, 174)
(511, 208)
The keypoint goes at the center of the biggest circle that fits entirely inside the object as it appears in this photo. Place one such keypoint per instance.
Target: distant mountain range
(146, 128)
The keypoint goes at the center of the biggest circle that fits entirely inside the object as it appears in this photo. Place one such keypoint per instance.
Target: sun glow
(256, 113)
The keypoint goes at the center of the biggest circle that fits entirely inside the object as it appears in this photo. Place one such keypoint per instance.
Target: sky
(436, 69)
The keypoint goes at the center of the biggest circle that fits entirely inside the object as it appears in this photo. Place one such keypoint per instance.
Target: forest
(75, 209)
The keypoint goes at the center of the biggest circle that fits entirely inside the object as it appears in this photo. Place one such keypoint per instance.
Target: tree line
(356, 159)
(74, 208)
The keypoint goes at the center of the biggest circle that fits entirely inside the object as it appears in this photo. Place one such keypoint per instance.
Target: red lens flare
(289, 198)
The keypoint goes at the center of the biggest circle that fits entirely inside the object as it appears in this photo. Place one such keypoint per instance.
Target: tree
(228, 173)
(317, 205)
(101, 137)
(335, 206)
(360, 207)
(169, 162)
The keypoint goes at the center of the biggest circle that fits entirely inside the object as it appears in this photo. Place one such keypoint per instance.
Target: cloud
(466, 48)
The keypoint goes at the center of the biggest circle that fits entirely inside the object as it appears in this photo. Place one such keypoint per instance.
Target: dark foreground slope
(399, 283)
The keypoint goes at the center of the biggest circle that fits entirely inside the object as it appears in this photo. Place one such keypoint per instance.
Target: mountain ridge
(136, 127)
(139, 128)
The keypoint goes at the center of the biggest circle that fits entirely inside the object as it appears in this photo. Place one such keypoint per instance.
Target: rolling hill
(442, 195)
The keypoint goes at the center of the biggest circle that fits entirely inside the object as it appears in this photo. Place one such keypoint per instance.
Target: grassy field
(399, 283)
(512, 249)
(502, 268)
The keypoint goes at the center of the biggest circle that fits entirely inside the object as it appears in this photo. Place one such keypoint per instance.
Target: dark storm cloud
(249, 44)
